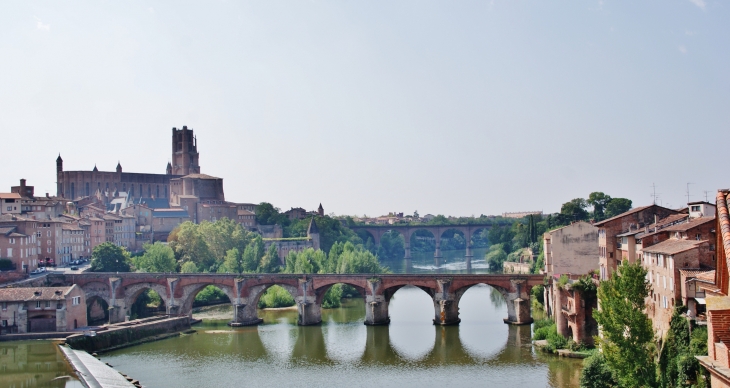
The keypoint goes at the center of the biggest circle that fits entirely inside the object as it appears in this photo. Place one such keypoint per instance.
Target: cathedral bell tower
(184, 152)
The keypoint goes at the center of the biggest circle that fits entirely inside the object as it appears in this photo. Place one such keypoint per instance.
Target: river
(342, 352)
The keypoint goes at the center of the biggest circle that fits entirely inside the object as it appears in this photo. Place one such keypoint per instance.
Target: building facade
(42, 309)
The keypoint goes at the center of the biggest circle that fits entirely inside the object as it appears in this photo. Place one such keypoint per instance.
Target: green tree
(267, 214)
(599, 201)
(496, 256)
(189, 267)
(617, 206)
(189, 245)
(234, 261)
(108, 257)
(270, 262)
(627, 340)
(575, 210)
(157, 257)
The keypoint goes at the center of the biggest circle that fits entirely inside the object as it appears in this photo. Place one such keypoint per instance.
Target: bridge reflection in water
(344, 352)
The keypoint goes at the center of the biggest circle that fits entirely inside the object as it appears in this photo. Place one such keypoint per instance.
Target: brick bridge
(178, 292)
(437, 230)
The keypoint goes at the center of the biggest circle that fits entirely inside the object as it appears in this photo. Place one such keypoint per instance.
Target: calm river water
(481, 352)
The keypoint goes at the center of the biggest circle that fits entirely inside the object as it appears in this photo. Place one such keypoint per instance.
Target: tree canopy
(108, 257)
(627, 339)
(157, 257)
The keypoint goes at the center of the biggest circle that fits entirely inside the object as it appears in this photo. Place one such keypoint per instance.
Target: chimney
(48, 196)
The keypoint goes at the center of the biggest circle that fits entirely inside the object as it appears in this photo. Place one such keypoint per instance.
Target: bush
(539, 293)
(210, 295)
(332, 299)
(275, 297)
(545, 332)
(5, 264)
(556, 341)
(596, 374)
(540, 323)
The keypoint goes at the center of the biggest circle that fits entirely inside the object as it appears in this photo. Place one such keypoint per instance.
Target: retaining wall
(127, 333)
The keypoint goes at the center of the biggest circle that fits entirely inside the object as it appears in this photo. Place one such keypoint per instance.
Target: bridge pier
(310, 312)
(376, 305)
(446, 305)
(437, 254)
(245, 315)
(518, 303)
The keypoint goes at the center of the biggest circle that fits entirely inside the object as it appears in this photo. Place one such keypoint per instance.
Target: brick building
(717, 361)
(42, 309)
(19, 242)
(609, 252)
(664, 261)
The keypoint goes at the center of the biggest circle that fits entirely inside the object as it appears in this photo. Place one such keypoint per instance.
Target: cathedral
(182, 178)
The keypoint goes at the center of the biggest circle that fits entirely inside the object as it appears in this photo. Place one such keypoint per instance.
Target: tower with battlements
(185, 157)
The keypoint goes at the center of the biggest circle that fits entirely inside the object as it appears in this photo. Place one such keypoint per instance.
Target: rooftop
(26, 294)
(671, 247)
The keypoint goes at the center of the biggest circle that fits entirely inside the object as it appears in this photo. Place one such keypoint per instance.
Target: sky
(456, 108)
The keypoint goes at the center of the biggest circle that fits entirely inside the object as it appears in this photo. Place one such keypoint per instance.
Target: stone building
(608, 231)
(42, 309)
(570, 250)
(286, 245)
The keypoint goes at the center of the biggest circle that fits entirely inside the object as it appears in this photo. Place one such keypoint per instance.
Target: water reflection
(34, 364)
(410, 352)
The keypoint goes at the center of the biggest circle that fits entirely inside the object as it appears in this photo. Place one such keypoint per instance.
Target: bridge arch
(322, 289)
(192, 290)
(133, 291)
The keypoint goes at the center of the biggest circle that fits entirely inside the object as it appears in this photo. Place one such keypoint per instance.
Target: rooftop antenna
(706, 192)
(688, 183)
(654, 194)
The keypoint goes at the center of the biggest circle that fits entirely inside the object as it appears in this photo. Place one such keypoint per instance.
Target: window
(75, 300)
(671, 284)
(48, 303)
(5, 306)
(695, 208)
(38, 304)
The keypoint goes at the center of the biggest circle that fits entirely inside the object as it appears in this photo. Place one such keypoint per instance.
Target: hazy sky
(454, 108)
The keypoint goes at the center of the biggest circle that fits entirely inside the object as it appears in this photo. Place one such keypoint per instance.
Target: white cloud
(682, 49)
(43, 27)
(690, 33)
(699, 3)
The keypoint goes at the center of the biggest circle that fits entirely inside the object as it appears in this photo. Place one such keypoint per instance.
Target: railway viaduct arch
(377, 231)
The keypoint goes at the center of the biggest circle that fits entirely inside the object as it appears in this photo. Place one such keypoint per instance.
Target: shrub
(556, 341)
(6, 264)
(596, 374)
(210, 295)
(539, 293)
(540, 323)
(332, 299)
(545, 332)
(275, 297)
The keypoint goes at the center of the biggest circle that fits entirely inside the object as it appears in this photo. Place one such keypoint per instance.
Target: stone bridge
(178, 291)
(469, 230)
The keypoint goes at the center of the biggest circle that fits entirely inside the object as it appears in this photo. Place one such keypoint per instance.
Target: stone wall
(123, 334)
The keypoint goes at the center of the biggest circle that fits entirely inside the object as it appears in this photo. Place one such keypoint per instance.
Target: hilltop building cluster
(128, 209)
